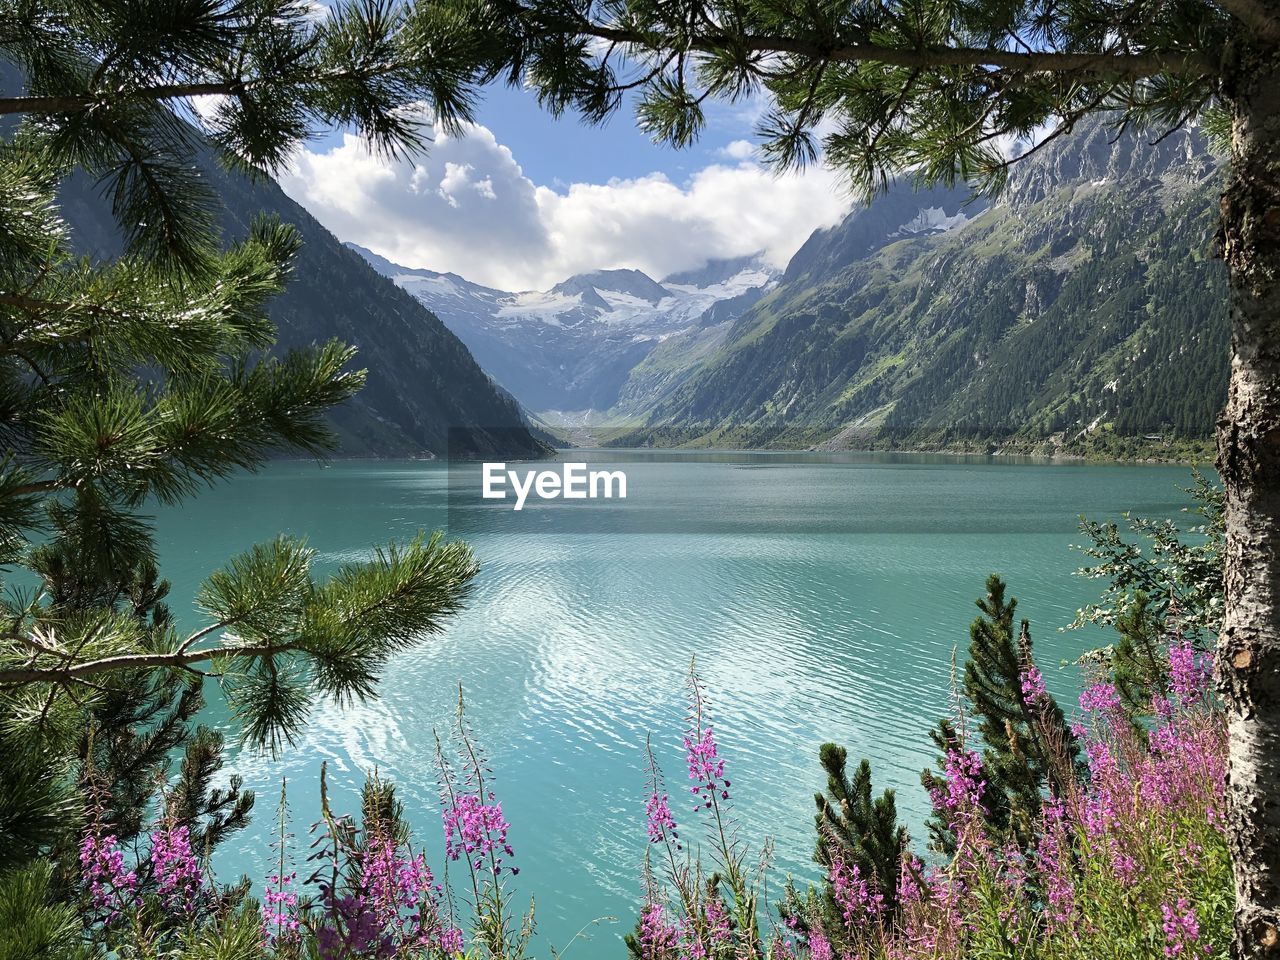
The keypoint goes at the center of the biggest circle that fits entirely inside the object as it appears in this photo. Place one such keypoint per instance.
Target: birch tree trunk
(1249, 462)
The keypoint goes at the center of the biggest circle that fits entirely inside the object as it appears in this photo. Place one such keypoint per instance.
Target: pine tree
(142, 380)
(858, 830)
(1138, 665)
(1027, 746)
(32, 923)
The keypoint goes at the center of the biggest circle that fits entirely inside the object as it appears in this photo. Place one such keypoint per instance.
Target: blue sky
(568, 150)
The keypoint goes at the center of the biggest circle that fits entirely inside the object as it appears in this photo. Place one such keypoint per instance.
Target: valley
(1081, 313)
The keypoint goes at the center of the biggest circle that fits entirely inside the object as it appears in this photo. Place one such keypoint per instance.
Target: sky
(522, 201)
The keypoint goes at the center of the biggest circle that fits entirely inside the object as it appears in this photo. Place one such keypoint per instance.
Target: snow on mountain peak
(607, 298)
(931, 220)
(573, 345)
(633, 283)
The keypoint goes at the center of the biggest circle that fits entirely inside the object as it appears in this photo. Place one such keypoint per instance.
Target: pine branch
(71, 673)
(40, 486)
(71, 103)
(1256, 16)
(1106, 65)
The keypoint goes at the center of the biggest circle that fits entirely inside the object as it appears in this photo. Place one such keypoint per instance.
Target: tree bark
(1248, 658)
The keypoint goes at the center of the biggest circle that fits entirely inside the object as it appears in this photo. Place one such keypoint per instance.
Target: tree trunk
(1249, 463)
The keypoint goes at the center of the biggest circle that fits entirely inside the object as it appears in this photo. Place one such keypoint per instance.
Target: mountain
(628, 283)
(1084, 303)
(571, 348)
(421, 379)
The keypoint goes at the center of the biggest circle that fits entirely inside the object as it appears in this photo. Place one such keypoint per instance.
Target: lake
(820, 595)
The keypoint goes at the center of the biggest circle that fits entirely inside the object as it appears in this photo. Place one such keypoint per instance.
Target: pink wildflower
(855, 896)
(1181, 928)
(659, 940)
(395, 883)
(960, 799)
(661, 823)
(705, 766)
(178, 875)
(1189, 673)
(1100, 698)
(819, 946)
(1032, 684)
(279, 909)
(477, 829)
(102, 865)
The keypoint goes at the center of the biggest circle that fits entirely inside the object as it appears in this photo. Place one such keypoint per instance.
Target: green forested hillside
(1082, 307)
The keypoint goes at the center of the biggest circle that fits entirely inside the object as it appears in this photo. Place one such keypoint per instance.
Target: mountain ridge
(571, 347)
(421, 382)
(1081, 302)
(635, 283)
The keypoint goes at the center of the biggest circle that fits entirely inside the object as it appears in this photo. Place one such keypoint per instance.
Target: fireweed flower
(718, 926)
(1032, 683)
(404, 898)
(1012, 873)
(1186, 766)
(705, 766)
(1131, 828)
(959, 800)
(1189, 673)
(718, 932)
(1181, 929)
(1100, 698)
(1103, 803)
(178, 874)
(820, 946)
(102, 866)
(909, 889)
(917, 894)
(855, 897)
(661, 823)
(279, 909)
(1107, 809)
(394, 882)
(658, 940)
(476, 828)
(450, 939)
(353, 931)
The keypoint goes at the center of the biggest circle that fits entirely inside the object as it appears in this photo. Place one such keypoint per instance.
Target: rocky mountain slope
(1083, 302)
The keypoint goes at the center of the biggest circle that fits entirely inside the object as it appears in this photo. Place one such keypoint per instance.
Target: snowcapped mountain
(572, 347)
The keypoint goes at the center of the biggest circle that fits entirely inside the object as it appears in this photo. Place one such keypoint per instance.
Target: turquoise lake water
(821, 596)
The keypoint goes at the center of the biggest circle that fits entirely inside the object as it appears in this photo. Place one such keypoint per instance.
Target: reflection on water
(575, 645)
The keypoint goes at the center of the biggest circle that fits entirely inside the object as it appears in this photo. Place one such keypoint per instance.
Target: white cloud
(738, 150)
(206, 106)
(1012, 146)
(316, 10)
(457, 179)
(468, 208)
